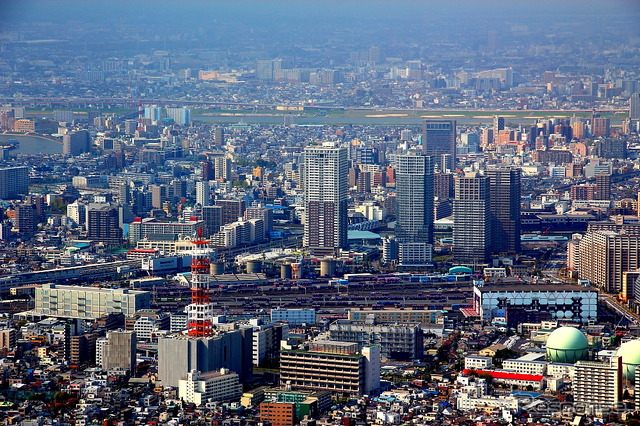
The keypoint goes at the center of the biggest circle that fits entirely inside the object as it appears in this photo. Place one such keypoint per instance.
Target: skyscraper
(634, 106)
(414, 192)
(471, 219)
(504, 193)
(498, 124)
(439, 137)
(325, 173)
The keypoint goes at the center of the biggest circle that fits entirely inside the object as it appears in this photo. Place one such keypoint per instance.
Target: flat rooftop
(534, 287)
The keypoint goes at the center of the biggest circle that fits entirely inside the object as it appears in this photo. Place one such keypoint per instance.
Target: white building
(325, 203)
(203, 193)
(199, 388)
(476, 362)
(525, 367)
(598, 385)
(145, 327)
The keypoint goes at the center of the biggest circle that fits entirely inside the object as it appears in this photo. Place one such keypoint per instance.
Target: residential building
(414, 210)
(472, 223)
(598, 385)
(199, 388)
(76, 142)
(504, 196)
(141, 228)
(14, 182)
(325, 185)
(103, 223)
(333, 366)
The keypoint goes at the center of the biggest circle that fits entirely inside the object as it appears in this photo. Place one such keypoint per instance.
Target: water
(32, 145)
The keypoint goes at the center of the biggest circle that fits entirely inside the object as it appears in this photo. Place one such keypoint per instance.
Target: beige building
(88, 302)
(333, 366)
(605, 255)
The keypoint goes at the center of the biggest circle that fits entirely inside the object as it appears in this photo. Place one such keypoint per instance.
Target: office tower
(103, 223)
(603, 187)
(471, 219)
(598, 385)
(119, 351)
(600, 127)
(498, 125)
(325, 186)
(25, 219)
(439, 137)
(414, 195)
(203, 193)
(76, 143)
(634, 106)
(14, 181)
(504, 194)
(207, 170)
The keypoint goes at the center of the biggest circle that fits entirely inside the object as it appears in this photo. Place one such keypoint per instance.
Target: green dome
(567, 345)
(630, 353)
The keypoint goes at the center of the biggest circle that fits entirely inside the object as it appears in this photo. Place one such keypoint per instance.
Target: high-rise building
(603, 257)
(498, 125)
(603, 187)
(103, 223)
(14, 181)
(504, 194)
(25, 221)
(181, 116)
(232, 210)
(439, 137)
(414, 195)
(76, 142)
(471, 219)
(221, 166)
(598, 385)
(600, 127)
(159, 195)
(634, 106)
(203, 193)
(207, 171)
(325, 174)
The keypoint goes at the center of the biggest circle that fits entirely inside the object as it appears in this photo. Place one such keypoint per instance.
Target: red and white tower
(200, 311)
(140, 117)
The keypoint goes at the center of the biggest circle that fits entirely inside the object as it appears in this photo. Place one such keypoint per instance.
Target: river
(32, 145)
